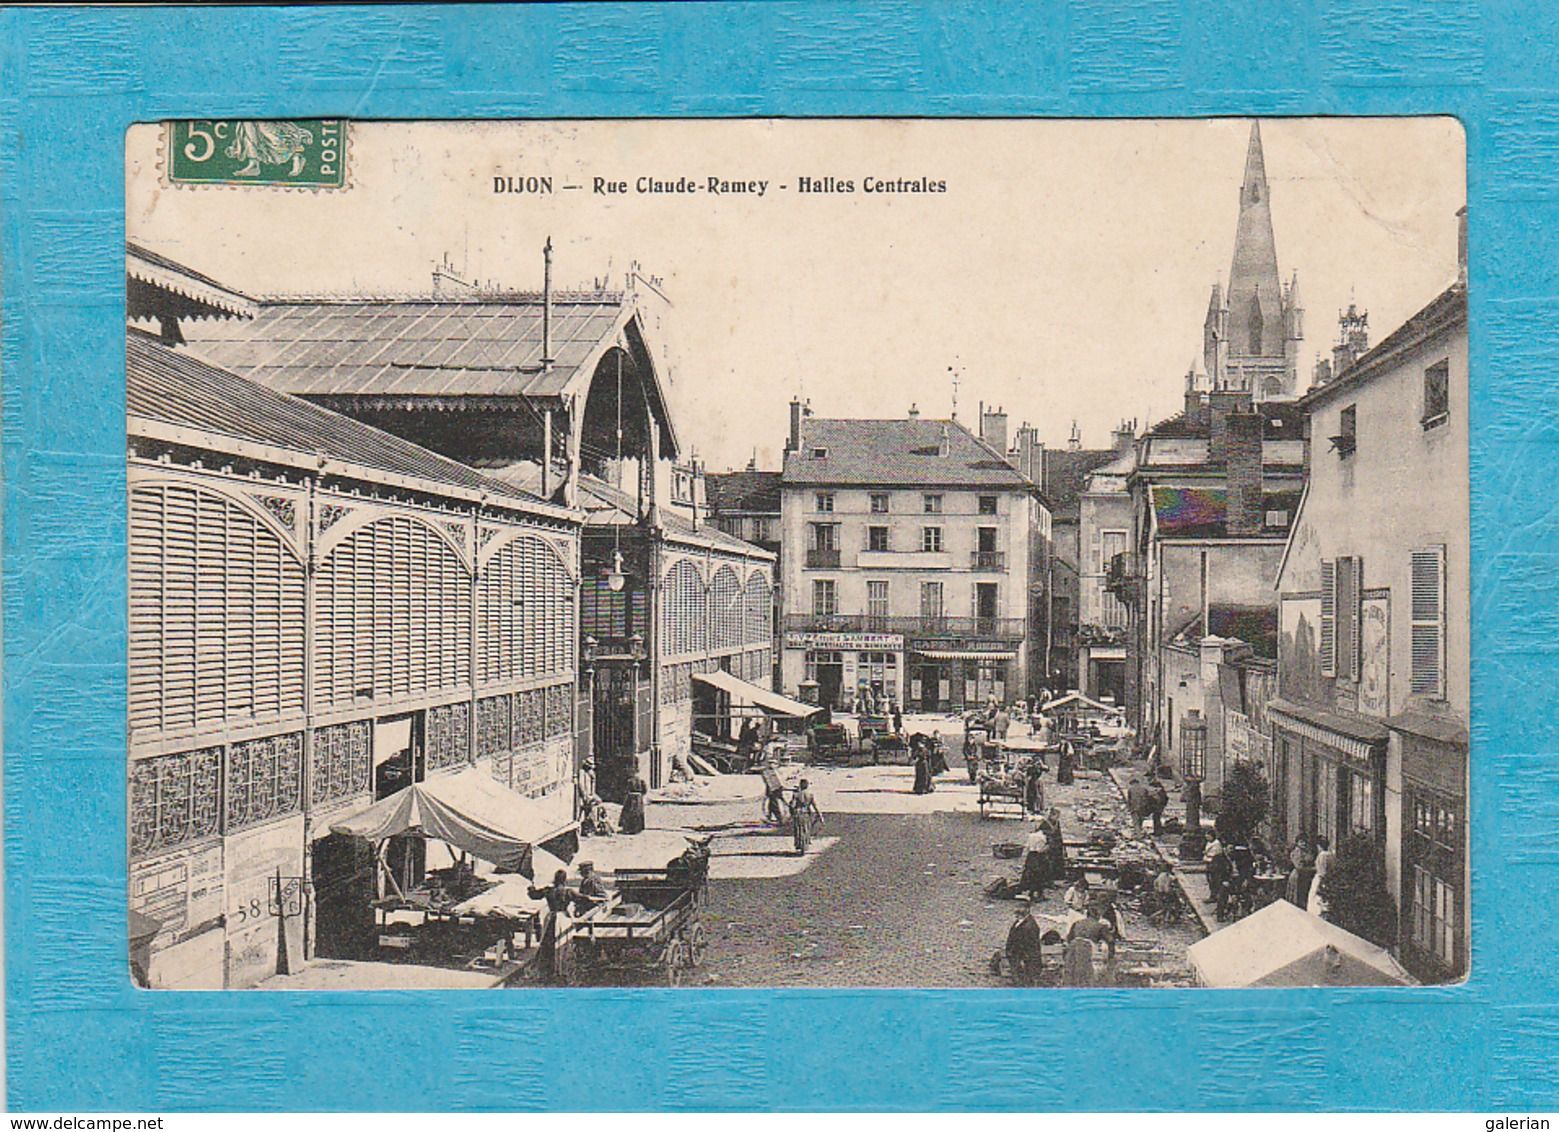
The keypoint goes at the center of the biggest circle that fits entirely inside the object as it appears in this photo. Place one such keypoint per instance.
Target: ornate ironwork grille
(343, 757)
(174, 800)
(448, 736)
(264, 779)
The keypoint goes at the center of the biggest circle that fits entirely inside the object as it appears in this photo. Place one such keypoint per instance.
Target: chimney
(1124, 436)
(1220, 406)
(914, 413)
(993, 429)
(546, 304)
(946, 445)
(1193, 402)
(794, 443)
(1461, 245)
(1246, 509)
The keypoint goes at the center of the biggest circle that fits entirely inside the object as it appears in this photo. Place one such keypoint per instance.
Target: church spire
(1257, 323)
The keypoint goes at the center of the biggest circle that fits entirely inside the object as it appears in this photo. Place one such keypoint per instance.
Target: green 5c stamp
(308, 153)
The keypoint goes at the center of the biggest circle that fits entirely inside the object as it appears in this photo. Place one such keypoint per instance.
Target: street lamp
(1193, 769)
(617, 578)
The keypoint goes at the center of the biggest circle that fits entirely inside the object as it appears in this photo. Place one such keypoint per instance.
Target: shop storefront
(1339, 762)
(1433, 912)
(849, 669)
(950, 680)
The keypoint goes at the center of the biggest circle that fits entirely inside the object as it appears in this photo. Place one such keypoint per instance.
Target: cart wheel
(672, 960)
(697, 944)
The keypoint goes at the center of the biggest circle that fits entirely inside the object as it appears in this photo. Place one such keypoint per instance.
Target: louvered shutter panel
(147, 612)
(1354, 611)
(1347, 611)
(1328, 619)
(1428, 621)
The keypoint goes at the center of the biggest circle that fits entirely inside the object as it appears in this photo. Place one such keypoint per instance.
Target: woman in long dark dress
(1055, 852)
(922, 769)
(1065, 763)
(632, 819)
(804, 817)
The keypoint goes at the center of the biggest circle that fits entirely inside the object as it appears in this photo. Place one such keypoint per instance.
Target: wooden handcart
(652, 928)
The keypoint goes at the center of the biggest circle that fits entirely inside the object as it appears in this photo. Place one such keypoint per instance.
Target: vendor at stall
(561, 900)
(590, 881)
(1036, 863)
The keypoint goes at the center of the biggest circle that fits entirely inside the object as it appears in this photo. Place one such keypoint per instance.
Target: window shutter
(1328, 619)
(1355, 613)
(1428, 622)
(1349, 582)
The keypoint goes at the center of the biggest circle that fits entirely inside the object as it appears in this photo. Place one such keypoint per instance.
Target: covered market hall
(323, 616)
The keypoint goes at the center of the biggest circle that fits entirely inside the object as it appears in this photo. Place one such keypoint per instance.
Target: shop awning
(1285, 946)
(739, 689)
(1079, 702)
(964, 654)
(1355, 735)
(469, 811)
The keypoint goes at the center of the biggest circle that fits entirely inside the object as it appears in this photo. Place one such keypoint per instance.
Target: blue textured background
(80, 1038)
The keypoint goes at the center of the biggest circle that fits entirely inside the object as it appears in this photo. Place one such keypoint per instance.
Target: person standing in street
(633, 815)
(1036, 863)
(1296, 890)
(1025, 945)
(1137, 802)
(805, 817)
(1324, 860)
(1158, 798)
(922, 761)
(1002, 724)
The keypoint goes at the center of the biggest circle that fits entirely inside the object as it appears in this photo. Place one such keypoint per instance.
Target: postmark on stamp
(297, 153)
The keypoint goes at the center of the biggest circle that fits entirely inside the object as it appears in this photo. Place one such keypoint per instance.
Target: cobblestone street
(892, 892)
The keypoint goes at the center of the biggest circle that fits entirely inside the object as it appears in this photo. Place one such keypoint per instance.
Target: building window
(1326, 801)
(877, 539)
(879, 503)
(931, 540)
(1427, 674)
(825, 501)
(933, 504)
(931, 600)
(1433, 917)
(877, 599)
(1437, 394)
(819, 453)
(825, 536)
(1346, 442)
(825, 598)
(987, 505)
(1361, 804)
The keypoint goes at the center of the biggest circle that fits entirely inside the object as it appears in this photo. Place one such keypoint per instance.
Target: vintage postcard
(786, 553)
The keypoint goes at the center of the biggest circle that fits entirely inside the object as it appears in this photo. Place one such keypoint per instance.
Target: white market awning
(467, 810)
(744, 692)
(964, 654)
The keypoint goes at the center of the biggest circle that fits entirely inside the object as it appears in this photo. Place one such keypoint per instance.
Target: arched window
(394, 608)
(216, 613)
(684, 620)
(726, 609)
(760, 610)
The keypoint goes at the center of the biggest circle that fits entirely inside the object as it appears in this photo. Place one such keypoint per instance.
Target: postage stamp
(299, 153)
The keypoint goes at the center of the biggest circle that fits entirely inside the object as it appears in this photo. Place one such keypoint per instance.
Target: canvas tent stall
(1285, 946)
(434, 918)
(469, 812)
